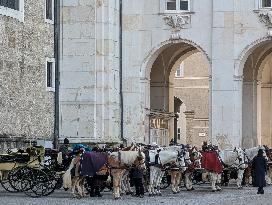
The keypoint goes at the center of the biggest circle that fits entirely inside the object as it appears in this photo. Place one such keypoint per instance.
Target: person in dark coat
(137, 176)
(260, 169)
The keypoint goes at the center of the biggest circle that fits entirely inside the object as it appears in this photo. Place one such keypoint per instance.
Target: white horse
(179, 167)
(157, 171)
(235, 159)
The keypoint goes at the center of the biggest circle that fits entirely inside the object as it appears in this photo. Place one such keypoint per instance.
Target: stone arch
(155, 52)
(240, 61)
(249, 66)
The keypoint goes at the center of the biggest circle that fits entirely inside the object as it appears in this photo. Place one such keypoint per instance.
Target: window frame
(50, 60)
(262, 7)
(163, 7)
(16, 14)
(50, 21)
(181, 69)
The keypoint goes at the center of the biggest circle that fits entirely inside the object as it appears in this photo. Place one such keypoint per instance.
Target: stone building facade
(189, 81)
(234, 36)
(116, 60)
(27, 97)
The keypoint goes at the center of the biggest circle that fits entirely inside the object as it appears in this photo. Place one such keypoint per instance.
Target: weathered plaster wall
(89, 73)
(26, 108)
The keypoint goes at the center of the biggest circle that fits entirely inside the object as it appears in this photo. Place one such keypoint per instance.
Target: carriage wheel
(6, 185)
(19, 178)
(39, 183)
(51, 183)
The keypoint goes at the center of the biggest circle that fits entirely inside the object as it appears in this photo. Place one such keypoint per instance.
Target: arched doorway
(257, 96)
(163, 115)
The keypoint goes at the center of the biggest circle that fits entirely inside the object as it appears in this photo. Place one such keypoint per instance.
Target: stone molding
(238, 77)
(177, 21)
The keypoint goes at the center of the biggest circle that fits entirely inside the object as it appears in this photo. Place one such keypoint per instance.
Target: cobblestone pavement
(201, 196)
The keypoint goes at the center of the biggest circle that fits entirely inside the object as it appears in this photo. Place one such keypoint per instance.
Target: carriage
(27, 171)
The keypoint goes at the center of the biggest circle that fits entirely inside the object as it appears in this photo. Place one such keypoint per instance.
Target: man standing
(259, 167)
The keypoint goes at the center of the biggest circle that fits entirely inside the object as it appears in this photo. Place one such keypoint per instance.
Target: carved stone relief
(177, 21)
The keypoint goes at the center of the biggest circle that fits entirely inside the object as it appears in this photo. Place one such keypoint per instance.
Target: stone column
(190, 115)
(259, 112)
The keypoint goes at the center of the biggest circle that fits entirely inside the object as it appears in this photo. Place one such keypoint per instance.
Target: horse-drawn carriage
(26, 171)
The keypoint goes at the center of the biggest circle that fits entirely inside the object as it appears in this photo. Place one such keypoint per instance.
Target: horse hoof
(213, 190)
(192, 189)
(218, 189)
(159, 194)
(175, 192)
(240, 187)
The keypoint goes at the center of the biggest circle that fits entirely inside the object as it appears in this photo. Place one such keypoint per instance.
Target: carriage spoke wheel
(38, 183)
(19, 179)
(6, 185)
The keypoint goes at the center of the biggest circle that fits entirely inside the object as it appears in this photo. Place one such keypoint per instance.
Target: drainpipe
(56, 56)
(121, 73)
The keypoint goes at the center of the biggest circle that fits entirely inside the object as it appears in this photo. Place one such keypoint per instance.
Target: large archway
(162, 113)
(257, 95)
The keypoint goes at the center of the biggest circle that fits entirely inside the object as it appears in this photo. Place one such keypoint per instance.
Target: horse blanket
(92, 162)
(211, 162)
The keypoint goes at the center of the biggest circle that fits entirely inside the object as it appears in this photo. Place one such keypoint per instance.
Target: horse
(179, 167)
(166, 157)
(235, 160)
(119, 162)
(212, 163)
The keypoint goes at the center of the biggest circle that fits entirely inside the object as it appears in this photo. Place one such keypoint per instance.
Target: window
(265, 3)
(180, 71)
(49, 11)
(50, 74)
(12, 4)
(12, 8)
(177, 5)
(178, 134)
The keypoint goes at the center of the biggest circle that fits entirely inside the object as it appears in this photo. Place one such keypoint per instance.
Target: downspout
(121, 73)
(56, 56)
(211, 82)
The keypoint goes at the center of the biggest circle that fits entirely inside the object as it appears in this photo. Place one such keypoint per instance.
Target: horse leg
(158, 182)
(213, 181)
(173, 182)
(188, 181)
(240, 178)
(218, 181)
(151, 181)
(178, 177)
(115, 183)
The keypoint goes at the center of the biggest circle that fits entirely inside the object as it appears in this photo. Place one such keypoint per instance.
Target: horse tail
(67, 178)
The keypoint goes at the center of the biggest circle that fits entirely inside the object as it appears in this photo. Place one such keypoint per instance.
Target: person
(259, 167)
(137, 176)
(65, 150)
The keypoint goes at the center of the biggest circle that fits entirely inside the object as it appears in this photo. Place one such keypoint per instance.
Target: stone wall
(26, 108)
(193, 90)
(89, 71)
